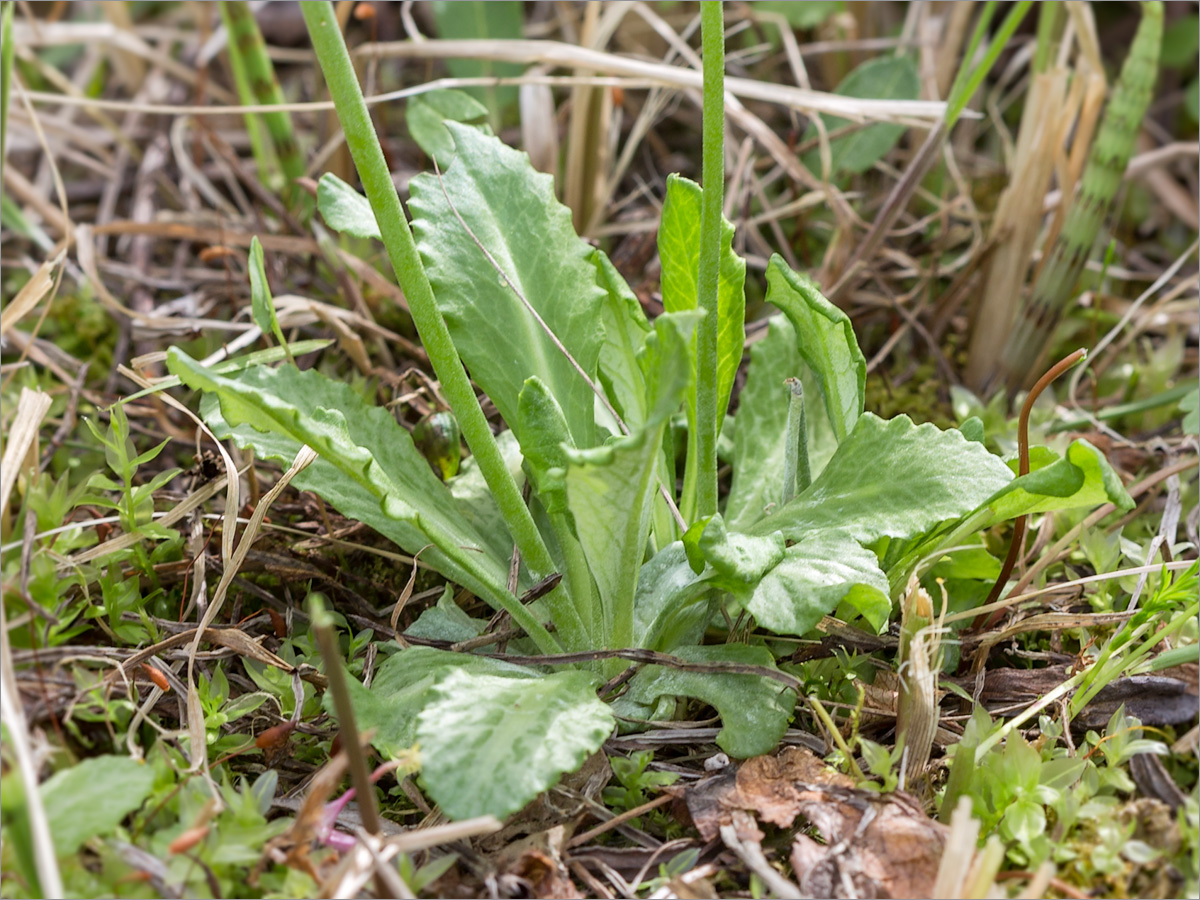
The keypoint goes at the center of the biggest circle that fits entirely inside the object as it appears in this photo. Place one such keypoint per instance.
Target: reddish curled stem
(1017, 546)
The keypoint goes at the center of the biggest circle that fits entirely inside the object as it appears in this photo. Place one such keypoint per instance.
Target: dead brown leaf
(875, 845)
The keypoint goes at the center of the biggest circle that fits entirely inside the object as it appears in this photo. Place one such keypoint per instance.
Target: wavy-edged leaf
(610, 489)
(491, 744)
(90, 798)
(514, 213)
(826, 343)
(754, 710)
(737, 560)
(892, 479)
(368, 467)
(670, 608)
(813, 578)
(400, 690)
(1082, 478)
(344, 209)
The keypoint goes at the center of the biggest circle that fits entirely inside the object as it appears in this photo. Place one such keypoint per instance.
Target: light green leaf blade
(826, 343)
(679, 252)
(610, 489)
(1190, 406)
(1082, 478)
(754, 710)
(92, 797)
(759, 441)
(514, 213)
(892, 479)
(262, 307)
(345, 209)
(814, 576)
(445, 621)
(368, 467)
(426, 115)
(679, 249)
(491, 744)
(881, 78)
(546, 441)
(401, 689)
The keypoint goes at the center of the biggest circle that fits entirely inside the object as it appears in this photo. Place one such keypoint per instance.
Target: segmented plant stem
(712, 30)
(256, 83)
(1038, 316)
(406, 261)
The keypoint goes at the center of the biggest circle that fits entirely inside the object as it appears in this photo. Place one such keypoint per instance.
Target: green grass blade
(406, 261)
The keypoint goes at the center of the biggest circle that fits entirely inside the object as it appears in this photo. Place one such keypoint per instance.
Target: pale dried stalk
(916, 706)
(1018, 220)
(568, 56)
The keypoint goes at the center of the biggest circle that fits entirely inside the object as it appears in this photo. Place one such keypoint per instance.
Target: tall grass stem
(347, 96)
(712, 30)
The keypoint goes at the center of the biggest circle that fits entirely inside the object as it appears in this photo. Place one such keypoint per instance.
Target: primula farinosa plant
(831, 509)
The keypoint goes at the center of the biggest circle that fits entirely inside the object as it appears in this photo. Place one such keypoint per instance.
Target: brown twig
(1017, 545)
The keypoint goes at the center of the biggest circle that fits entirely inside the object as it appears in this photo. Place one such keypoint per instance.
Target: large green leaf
(679, 252)
(514, 213)
(491, 744)
(625, 330)
(814, 576)
(826, 343)
(737, 560)
(881, 78)
(754, 710)
(671, 605)
(92, 797)
(610, 489)
(759, 441)
(892, 479)
(477, 503)
(401, 689)
(1083, 478)
(368, 467)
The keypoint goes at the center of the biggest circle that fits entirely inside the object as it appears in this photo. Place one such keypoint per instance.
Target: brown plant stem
(1017, 546)
(335, 673)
